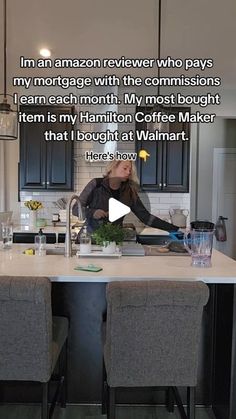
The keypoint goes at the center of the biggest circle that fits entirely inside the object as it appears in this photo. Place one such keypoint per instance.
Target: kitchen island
(81, 297)
(61, 269)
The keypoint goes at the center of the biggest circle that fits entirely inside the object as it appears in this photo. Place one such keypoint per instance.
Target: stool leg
(2, 390)
(44, 405)
(112, 403)
(170, 400)
(64, 373)
(104, 389)
(191, 402)
(104, 397)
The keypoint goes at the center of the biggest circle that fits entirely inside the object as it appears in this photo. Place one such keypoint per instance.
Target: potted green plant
(108, 236)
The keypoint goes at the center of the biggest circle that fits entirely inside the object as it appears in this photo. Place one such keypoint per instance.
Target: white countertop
(58, 268)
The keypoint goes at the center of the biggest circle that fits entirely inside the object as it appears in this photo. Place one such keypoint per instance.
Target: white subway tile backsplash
(171, 201)
(84, 175)
(154, 200)
(160, 207)
(164, 213)
(157, 195)
(95, 169)
(183, 195)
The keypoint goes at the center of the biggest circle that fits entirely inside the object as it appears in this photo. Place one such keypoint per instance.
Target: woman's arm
(144, 215)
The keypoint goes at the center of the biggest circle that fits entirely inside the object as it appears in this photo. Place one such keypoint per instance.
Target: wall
(220, 134)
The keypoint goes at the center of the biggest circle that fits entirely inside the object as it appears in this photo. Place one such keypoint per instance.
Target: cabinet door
(45, 164)
(149, 172)
(60, 157)
(32, 153)
(167, 168)
(176, 161)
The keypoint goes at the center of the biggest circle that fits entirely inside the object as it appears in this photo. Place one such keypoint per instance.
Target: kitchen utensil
(179, 216)
(199, 244)
(61, 203)
(64, 200)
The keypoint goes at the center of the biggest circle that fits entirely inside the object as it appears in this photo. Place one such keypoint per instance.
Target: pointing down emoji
(143, 154)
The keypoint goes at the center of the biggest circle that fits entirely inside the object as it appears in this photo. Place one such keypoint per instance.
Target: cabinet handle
(48, 183)
(43, 183)
(160, 184)
(164, 184)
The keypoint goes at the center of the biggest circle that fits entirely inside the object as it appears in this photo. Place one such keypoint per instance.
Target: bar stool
(151, 338)
(31, 340)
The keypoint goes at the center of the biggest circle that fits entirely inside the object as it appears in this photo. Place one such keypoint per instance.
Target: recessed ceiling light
(45, 52)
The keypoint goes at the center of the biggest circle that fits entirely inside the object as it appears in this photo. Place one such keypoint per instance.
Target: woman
(120, 182)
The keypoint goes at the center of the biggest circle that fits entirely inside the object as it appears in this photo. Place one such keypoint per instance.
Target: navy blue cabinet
(45, 165)
(167, 167)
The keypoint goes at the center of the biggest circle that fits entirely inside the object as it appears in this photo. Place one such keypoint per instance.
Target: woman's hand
(99, 213)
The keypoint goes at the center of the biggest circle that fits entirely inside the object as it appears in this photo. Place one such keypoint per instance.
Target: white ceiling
(112, 28)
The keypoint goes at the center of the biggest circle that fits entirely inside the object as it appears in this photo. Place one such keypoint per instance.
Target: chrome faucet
(68, 245)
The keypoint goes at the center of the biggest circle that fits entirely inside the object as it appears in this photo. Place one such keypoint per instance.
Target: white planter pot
(109, 247)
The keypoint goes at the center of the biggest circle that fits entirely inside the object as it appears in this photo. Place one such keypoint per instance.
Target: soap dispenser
(220, 229)
(85, 241)
(40, 244)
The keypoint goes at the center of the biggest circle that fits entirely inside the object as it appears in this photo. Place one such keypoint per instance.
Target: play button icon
(117, 209)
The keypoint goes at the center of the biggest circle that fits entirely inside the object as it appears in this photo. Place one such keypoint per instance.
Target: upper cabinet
(167, 168)
(45, 165)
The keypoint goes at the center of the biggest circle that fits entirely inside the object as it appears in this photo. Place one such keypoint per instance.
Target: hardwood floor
(93, 412)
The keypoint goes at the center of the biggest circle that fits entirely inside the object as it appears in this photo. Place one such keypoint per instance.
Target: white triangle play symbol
(117, 209)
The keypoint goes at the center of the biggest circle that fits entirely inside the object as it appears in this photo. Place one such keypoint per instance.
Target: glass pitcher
(199, 244)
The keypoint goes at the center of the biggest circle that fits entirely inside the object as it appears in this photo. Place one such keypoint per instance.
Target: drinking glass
(7, 234)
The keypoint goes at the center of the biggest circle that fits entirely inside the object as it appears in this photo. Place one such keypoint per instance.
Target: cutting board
(152, 251)
(150, 231)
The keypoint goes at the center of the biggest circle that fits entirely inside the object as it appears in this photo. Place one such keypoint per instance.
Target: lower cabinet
(19, 237)
(45, 165)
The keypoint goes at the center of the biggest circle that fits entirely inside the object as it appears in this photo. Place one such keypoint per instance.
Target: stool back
(153, 332)
(25, 328)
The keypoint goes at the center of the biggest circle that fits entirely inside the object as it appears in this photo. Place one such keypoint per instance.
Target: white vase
(32, 219)
(109, 247)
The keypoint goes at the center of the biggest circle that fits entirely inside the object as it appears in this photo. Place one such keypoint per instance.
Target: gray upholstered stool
(152, 338)
(31, 340)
